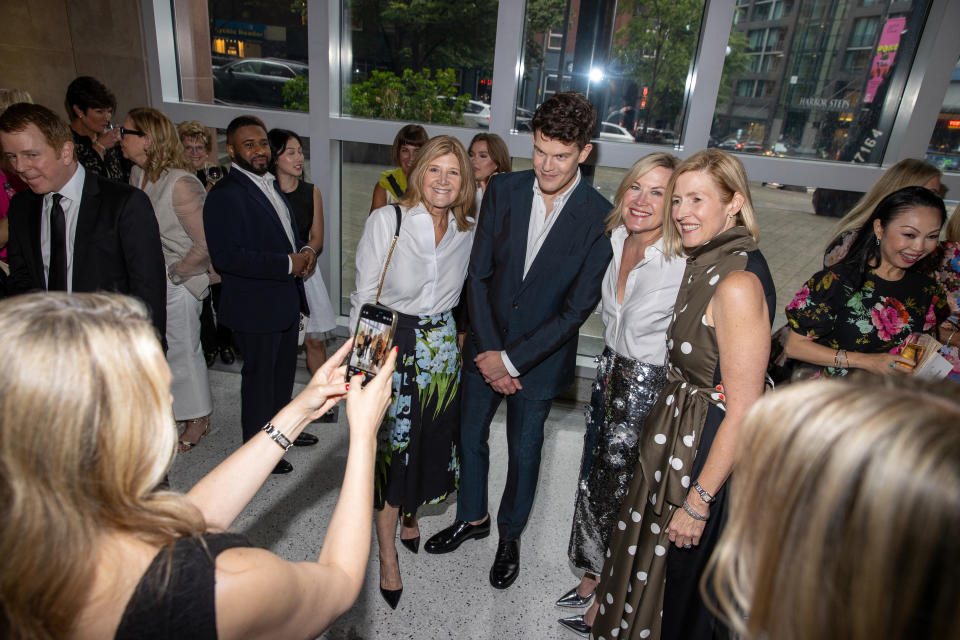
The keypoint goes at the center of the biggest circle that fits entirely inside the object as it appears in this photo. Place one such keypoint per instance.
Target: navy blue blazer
(249, 249)
(536, 318)
(116, 246)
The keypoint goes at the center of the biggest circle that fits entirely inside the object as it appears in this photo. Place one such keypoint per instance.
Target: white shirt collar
(72, 190)
(619, 236)
(560, 199)
(265, 180)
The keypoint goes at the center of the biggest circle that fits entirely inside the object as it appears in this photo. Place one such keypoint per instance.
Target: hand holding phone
(372, 341)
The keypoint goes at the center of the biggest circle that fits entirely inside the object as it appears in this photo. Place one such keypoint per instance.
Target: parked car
(614, 133)
(477, 115)
(729, 144)
(523, 118)
(256, 81)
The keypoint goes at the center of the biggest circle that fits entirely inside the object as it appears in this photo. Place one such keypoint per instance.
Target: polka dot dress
(631, 589)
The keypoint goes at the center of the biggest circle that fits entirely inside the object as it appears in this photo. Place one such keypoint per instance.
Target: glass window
(630, 59)
(245, 52)
(418, 61)
(832, 84)
(944, 149)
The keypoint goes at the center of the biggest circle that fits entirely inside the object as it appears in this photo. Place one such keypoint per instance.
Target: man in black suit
(535, 272)
(76, 231)
(254, 246)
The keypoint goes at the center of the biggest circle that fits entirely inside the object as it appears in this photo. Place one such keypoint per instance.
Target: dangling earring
(878, 240)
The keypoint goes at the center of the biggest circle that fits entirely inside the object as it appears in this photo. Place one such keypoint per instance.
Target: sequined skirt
(623, 394)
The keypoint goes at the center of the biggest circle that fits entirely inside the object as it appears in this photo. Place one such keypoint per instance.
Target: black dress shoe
(282, 467)
(455, 535)
(227, 355)
(306, 440)
(210, 357)
(573, 599)
(506, 565)
(576, 624)
(331, 416)
(392, 596)
(411, 543)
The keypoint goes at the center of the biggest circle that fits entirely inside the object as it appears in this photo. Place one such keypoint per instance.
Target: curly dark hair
(568, 117)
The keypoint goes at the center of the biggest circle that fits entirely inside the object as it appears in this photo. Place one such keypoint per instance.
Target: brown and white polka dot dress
(676, 441)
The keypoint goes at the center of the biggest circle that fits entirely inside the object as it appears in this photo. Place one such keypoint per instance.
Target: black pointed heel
(411, 543)
(392, 596)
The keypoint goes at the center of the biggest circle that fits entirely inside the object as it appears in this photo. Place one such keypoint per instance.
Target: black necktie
(57, 278)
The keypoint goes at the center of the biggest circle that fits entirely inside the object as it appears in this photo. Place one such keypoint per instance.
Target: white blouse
(637, 328)
(423, 279)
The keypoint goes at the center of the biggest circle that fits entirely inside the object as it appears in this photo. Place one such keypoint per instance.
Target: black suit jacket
(249, 249)
(116, 246)
(536, 318)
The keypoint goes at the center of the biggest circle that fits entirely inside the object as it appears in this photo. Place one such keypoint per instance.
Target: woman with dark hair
(393, 183)
(90, 107)
(947, 273)
(639, 289)
(151, 143)
(287, 165)
(860, 312)
(418, 459)
(488, 156)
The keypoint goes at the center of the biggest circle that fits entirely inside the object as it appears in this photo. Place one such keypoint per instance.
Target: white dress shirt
(72, 191)
(265, 182)
(637, 328)
(541, 222)
(423, 279)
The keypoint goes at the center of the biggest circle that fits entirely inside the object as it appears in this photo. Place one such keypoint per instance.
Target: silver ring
(687, 546)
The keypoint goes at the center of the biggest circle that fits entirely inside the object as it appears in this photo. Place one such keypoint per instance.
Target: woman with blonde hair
(417, 460)
(197, 146)
(151, 142)
(638, 292)
(906, 173)
(94, 546)
(843, 518)
(717, 350)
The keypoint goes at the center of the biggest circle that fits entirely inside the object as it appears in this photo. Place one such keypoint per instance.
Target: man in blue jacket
(254, 247)
(538, 259)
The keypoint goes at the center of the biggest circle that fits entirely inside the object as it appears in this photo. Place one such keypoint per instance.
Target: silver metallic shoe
(573, 599)
(576, 624)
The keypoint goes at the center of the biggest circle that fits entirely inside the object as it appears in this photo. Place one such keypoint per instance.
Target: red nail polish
(347, 387)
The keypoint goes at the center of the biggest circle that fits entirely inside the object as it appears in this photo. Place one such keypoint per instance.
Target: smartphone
(372, 341)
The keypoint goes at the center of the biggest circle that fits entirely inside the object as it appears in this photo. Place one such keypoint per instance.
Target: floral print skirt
(418, 461)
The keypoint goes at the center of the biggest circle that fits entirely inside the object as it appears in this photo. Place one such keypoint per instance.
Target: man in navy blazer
(255, 248)
(535, 274)
(110, 239)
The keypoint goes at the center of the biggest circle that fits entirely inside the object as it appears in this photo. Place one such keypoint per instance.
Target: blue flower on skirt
(423, 379)
(401, 433)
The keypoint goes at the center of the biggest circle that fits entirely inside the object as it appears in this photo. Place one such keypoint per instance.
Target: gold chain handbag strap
(393, 245)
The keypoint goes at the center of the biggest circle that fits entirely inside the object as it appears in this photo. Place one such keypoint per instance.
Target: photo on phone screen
(373, 340)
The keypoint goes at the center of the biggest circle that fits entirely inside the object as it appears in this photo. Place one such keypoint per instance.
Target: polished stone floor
(445, 596)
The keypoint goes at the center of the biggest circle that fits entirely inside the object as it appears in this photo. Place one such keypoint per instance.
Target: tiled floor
(445, 596)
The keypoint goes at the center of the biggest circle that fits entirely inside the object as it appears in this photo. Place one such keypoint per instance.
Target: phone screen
(373, 340)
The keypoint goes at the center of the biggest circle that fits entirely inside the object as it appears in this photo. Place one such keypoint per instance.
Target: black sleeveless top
(301, 199)
(184, 609)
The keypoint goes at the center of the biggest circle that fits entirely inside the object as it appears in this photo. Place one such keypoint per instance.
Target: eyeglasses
(124, 131)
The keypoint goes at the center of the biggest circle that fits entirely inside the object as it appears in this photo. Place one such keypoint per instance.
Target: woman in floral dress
(948, 274)
(675, 507)
(860, 312)
(417, 458)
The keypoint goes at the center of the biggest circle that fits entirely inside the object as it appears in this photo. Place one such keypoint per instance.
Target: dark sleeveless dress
(646, 581)
(184, 609)
(301, 200)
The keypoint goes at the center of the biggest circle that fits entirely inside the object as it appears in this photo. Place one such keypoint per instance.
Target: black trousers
(266, 378)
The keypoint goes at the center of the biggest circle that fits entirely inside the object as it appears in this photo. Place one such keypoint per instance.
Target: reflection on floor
(445, 596)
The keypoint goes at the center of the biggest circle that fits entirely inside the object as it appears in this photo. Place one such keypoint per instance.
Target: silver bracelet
(306, 246)
(693, 514)
(706, 497)
(276, 435)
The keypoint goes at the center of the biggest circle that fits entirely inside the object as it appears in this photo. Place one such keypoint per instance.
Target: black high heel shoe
(411, 543)
(392, 596)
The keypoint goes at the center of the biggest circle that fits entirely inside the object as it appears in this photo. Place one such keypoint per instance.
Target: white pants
(191, 390)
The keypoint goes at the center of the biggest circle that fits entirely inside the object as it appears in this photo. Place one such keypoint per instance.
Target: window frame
(925, 89)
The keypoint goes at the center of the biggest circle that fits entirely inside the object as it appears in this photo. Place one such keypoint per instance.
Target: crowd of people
(704, 495)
